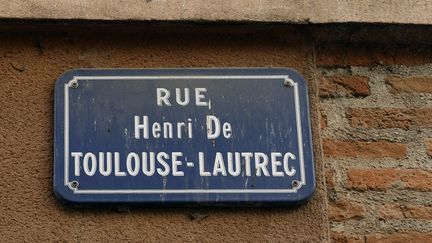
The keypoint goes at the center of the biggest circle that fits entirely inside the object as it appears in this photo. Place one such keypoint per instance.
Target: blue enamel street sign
(183, 136)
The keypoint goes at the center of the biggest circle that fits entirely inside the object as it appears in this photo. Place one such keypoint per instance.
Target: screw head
(289, 82)
(295, 183)
(74, 184)
(74, 84)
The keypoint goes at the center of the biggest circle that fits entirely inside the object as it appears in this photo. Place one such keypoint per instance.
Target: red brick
(428, 143)
(389, 118)
(343, 86)
(340, 55)
(417, 179)
(418, 212)
(421, 84)
(375, 179)
(411, 237)
(323, 121)
(360, 149)
(343, 209)
(390, 211)
(382, 179)
(338, 237)
(396, 211)
(330, 179)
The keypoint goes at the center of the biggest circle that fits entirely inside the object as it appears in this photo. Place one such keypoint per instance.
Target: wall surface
(376, 104)
(370, 89)
(31, 61)
(287, 11)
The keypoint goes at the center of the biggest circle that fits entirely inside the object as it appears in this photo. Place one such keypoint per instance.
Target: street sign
(235, 136)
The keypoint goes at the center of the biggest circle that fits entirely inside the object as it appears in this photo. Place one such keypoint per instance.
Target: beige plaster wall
(289, 11)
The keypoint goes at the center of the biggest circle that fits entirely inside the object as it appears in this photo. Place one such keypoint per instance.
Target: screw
(289, 82)
(74, 84)
(295, 183)
(74, 184)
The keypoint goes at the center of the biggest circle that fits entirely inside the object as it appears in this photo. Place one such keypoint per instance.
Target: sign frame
(69, 191)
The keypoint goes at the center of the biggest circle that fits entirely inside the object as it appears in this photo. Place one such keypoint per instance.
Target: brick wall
(376, 120)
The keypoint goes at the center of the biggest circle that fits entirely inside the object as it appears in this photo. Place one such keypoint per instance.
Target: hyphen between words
(149, 163)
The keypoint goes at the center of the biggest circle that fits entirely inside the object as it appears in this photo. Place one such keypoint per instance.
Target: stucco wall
(31, 61)
(288, 11)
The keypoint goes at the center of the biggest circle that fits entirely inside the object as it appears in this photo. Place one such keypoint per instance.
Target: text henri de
(153, 163)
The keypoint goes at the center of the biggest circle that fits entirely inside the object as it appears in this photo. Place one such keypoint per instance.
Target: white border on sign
(180, 191)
